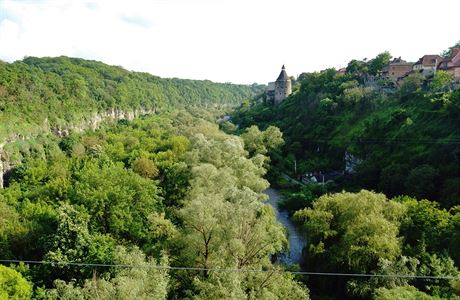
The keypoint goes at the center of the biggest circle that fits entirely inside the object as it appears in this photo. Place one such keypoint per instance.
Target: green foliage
(262, 142)
(403, 292)
(13, 285)
(376, 65)
(441, 80)
(411, 84)
(271, 285)
(360, 233)
(392, 177)
(357, 67)
(454, 235)
(118, 199)
(352, 233)
(447, 53)
(425, 224)
(422, 181)
(144, 281)
(37, 94)
(145, 167)
(303, 197)
(395, 135)
(138, 190)
(73, 243)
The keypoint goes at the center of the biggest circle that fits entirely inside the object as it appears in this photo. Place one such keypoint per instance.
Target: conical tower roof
(283, 75)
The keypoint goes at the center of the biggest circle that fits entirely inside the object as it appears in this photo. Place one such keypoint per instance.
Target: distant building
(452, 64)
(271, 92)
(342, 71)
(280, 89)
(427, 64)
(396, 68)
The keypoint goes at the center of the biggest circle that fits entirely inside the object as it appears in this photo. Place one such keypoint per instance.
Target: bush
(13, 285)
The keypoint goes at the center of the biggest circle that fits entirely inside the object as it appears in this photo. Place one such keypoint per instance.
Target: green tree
(351, 232)
(391, 178)
(422, 182)
(146, 168)
(262, 142)
(142, 281)
(357, 67)
(376, 65)
(254, 140)
(118, 200)
(13, 285)
(411, 84)
(454, 234)
(440, 80)
(273, 284)
(447, 53)
(73, 243)
(426, 224)
(403, 293)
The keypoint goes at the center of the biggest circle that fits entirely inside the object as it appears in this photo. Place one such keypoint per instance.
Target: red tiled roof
(429, 60)
(452, 62)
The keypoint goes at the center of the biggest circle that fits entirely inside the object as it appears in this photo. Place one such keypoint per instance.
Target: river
(296, 241)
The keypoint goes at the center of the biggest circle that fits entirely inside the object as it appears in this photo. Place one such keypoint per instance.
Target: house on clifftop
(452, 64)
(277, 91)
(396, 69)
(427, 64)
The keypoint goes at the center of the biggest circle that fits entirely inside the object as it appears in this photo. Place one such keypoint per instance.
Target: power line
(407, 276)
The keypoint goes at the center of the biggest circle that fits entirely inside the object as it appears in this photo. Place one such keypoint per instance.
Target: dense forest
(405, 141)
(157, 192)
(158, 201)
(402, 142)
(37, 94)
(152, 206)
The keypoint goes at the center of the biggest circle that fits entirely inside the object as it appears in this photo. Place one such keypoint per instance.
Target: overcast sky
(239, 41)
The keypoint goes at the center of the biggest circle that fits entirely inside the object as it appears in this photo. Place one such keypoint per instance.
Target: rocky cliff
(91, 122)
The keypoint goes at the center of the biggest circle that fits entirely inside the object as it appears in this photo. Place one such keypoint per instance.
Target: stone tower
(283, 86)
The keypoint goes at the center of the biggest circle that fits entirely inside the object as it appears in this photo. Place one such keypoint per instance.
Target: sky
(239, 41)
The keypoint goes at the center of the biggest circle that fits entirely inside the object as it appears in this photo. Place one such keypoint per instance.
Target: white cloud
(239, 41)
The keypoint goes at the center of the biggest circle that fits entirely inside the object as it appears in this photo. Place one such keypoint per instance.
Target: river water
(296, 241)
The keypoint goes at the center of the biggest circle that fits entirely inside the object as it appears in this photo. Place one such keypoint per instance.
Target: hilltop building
(280, 89)
(396, 68)
(452, 64)
(427, 64)
(342, 71)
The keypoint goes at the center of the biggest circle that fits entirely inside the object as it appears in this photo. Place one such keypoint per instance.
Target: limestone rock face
(93, 122)
(5, 166)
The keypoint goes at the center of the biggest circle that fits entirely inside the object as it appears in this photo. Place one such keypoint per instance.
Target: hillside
(42, 94)
(169, 194)
(403, 142)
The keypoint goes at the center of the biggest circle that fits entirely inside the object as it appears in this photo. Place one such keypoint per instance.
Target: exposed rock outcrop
(93, 122)
(5, 166)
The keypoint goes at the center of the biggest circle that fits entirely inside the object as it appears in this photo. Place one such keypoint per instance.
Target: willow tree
(226, 224)
(352, 232)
